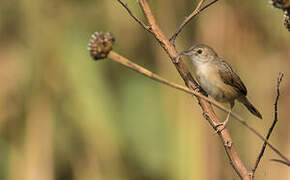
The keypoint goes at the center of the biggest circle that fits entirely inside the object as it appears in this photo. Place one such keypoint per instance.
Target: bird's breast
(210, 80)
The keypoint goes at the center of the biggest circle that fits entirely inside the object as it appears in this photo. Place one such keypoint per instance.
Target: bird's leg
(222, 126)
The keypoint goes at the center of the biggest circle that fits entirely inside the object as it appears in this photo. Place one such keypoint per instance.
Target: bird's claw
(220, 127)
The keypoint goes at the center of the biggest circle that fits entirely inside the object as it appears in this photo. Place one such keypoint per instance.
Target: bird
(217, 78)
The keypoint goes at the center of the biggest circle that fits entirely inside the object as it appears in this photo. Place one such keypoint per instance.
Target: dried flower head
(284, 5)
(100, 45)
(287, 19)
(277, 3)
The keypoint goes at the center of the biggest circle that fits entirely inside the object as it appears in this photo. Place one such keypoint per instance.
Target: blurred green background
(64, 116)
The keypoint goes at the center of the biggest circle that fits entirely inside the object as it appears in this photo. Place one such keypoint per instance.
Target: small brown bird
(217, 78)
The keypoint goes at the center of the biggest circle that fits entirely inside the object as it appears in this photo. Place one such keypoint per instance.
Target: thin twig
(279, 80)
(207, 109)
(134, 17)
(129, 64)
(206, 6)
(185, 21)
(243, 122)
(197, 10)
(281, 162)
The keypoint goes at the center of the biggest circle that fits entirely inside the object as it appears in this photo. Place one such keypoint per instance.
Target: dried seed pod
(284, 5)
(277, 3)
(287, 19)
(100, 45)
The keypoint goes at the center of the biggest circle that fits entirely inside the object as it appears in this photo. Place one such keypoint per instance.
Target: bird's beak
(186, 53)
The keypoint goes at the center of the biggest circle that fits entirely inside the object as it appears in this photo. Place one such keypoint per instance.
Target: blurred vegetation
(64, 116)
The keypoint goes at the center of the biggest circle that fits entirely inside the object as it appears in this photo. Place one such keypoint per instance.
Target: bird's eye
(199, 51)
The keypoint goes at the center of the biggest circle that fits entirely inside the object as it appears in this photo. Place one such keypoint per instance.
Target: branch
(134, 17)
(243, 122)
(281, 162)
(135, 67)
(100, 47)
(208, 112)
(197, 10)
(206, 107)
(273, 124)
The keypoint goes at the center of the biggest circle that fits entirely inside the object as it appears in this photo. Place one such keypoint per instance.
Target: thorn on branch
(228, 144)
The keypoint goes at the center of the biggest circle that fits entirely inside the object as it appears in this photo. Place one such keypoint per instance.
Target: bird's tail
(250, 107)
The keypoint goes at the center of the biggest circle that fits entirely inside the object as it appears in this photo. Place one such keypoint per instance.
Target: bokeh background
(64, 116)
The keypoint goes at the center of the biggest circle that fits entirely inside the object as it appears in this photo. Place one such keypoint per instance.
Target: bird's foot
(220, 127)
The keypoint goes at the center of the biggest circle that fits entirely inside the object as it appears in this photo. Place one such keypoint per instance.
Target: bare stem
(207, 109)
(281, 161)
(208, 112)
(129, 64)
(197, 10)
(134, 17)
(279, 80)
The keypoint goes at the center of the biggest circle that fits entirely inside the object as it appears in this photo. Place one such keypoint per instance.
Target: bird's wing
(230, 77)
